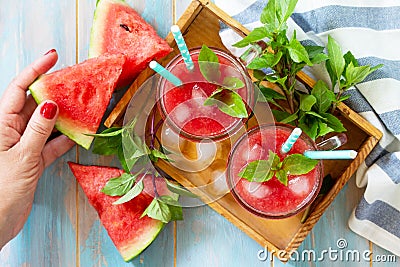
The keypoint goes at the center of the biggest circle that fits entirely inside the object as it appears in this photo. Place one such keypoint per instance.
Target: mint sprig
(165, 209)
(134, 153)
(310, 109)
(264, 170)
(224, 97)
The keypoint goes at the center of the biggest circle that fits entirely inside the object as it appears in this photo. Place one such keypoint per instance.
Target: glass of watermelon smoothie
(272, 199)
(183, 109)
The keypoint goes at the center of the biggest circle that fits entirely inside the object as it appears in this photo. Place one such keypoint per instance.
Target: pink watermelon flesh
(118, 28)
(82, 92)
(129, 233)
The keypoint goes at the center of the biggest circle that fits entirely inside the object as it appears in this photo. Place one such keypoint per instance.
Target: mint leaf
(158, 210)
(297, 164)
(307, 102)
(334, 123)
(356, 75)
(270, 94)
(267, 60)
(156, 154)
(120, 185)
(176, 213)
(270, 17)
(309, 125)
(107, 142)
(323, 128)
(257, 171)
(209, 64)
(134, 148)
(336, 60)
(131, 194)
(349, 58)
(290, 118)
(343, 98)
(255, 35)
(174, 207)
(282, 177)
(274, 160)
(276, 13)
(297, 52)
(316, 53)
(261, 170)
(229, 102)
(282, 115)
(286, 8)
(323, 95)
(176, 188)
(233, 83)
(113, 131)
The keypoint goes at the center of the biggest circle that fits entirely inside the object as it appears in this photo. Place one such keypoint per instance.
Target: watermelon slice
(82, 93)
(129, 233)
(118, 28)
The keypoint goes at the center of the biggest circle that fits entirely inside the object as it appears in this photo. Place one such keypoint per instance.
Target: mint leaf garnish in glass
(224, 97)
(264, 170)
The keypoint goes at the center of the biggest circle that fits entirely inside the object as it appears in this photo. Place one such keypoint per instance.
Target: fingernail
(50, 51)
(48, 110)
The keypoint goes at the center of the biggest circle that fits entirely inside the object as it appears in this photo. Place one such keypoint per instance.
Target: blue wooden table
(63, 229)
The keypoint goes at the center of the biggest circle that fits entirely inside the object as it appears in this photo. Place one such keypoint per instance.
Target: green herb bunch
(133, 153)
(285, 57)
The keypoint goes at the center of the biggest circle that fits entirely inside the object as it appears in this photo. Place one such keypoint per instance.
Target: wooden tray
(200, 25)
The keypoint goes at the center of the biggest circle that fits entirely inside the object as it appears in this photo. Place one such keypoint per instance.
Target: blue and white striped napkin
(371, 31)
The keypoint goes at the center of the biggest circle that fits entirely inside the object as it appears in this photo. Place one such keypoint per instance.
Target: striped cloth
(371, 31)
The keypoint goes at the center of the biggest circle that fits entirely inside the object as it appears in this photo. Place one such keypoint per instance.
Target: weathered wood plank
(180, 7)
(27, 30)
(205, 238)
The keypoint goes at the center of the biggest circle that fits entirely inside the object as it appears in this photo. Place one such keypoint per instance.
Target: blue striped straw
(182, 47)
(165, 73)
(294, 135)
(334, 154)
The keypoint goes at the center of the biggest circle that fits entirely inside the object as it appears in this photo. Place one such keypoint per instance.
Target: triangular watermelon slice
(129, 233)
(118, 28)
(82, 92)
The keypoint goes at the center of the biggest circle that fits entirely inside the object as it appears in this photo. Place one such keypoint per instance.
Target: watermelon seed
(126, 28)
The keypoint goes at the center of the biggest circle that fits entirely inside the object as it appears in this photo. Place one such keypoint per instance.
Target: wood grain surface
(63, 229)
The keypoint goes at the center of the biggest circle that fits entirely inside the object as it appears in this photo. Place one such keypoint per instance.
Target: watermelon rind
(99, 19)
(131, 251)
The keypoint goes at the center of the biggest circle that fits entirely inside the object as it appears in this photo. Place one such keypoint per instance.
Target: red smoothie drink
(272, 199)
(183, 106)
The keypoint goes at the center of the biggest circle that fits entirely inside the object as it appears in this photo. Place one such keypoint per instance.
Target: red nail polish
(50, 51)
(48, 110)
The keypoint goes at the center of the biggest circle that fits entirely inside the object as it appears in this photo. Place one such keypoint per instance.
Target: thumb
(40, 127)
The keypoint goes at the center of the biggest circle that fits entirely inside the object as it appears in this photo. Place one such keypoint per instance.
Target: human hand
(24, 153)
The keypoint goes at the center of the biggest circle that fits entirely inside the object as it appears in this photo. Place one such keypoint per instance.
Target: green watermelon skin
(82, 93)
(118, 28)
(129, 233)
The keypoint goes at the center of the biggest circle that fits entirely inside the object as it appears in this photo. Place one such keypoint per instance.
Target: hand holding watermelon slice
(82, 93)
(24, 150)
